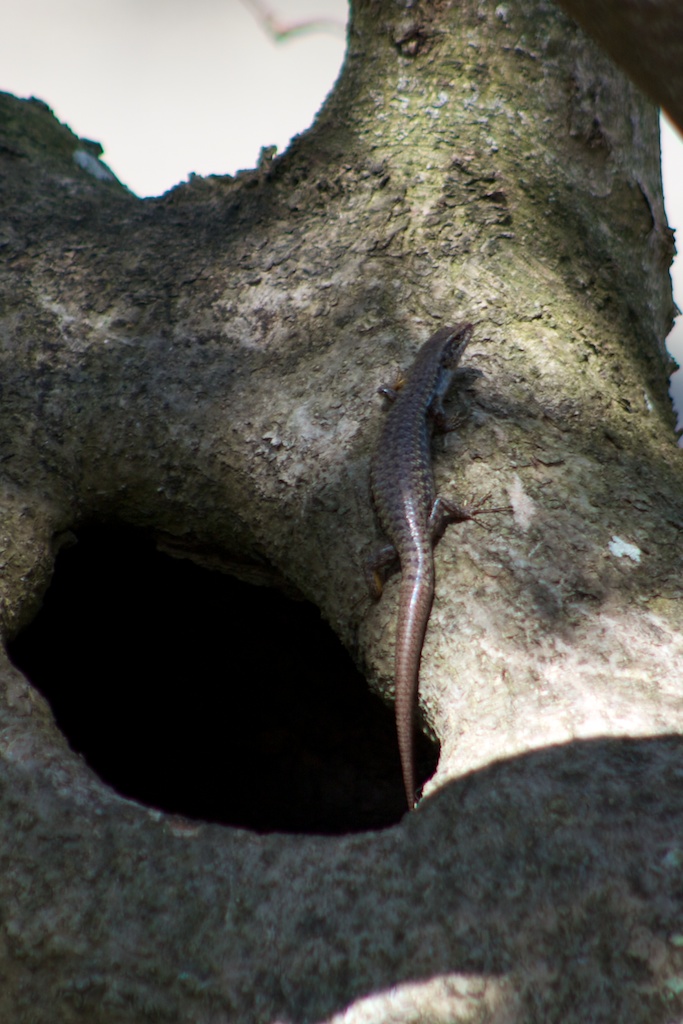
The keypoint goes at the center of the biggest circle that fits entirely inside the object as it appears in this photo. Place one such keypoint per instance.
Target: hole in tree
(195, 693)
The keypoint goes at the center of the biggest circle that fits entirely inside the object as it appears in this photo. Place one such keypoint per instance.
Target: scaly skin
(402, 485)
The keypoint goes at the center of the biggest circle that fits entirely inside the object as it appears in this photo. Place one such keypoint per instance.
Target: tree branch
(645, 38)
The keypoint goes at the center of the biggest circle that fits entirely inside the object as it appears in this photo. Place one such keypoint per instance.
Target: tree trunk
(205, 365)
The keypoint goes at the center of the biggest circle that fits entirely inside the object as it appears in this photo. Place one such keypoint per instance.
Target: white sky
(170, 87)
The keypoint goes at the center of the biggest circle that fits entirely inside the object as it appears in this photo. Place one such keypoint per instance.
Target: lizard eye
(451, 353)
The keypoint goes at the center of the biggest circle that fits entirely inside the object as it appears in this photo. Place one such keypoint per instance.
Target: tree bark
(205, 365)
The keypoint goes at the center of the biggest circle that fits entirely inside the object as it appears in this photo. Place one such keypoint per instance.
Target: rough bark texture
(205, 364)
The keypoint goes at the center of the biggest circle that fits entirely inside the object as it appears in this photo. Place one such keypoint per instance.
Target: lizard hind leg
(383, 564)
(445, 511)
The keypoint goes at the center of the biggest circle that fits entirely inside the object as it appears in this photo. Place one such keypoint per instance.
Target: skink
(402, 486)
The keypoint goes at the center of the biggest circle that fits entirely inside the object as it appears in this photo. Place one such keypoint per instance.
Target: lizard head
(454, 340)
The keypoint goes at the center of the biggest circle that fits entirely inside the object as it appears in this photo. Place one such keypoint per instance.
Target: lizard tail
(415, 603)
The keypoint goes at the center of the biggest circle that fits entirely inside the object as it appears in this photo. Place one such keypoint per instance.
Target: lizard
(410, 514)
